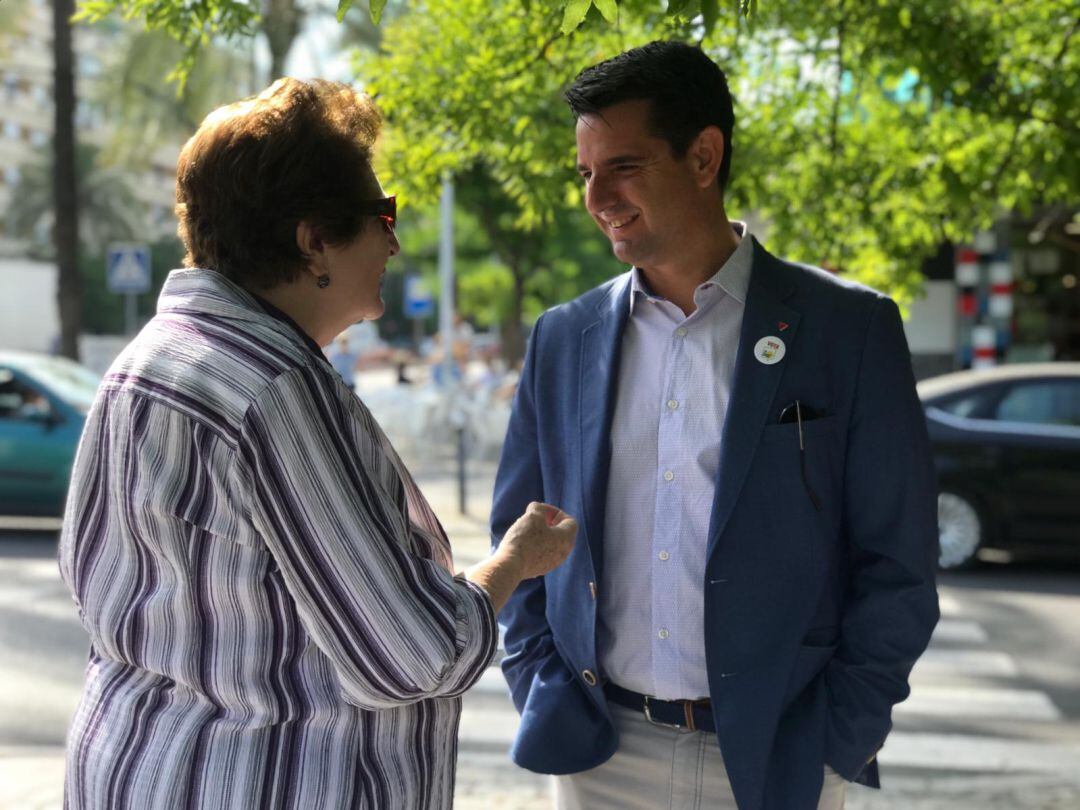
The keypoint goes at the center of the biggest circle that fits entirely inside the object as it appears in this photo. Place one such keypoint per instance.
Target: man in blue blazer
(741, 441)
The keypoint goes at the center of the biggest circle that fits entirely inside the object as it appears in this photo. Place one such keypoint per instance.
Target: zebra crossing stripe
(944, 662)
(948, 605)
(966, 752)
(979, 703)
(958, 631)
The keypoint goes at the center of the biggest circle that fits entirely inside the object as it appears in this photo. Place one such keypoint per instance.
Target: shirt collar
(733, 277)
(274, 312)
(197, 290)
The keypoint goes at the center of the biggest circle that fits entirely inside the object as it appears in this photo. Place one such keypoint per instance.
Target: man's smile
(622, 222)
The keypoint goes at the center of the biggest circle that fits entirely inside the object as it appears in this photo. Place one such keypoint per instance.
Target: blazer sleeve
(396, 626)
(890, 525)
(526, 634)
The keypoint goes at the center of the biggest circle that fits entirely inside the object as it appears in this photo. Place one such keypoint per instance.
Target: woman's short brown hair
(300, 150)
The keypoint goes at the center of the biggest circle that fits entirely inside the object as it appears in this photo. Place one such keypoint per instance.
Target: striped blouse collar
(197, 290)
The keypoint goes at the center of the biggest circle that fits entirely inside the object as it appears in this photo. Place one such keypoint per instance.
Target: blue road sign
(419, 302)
(127, 268)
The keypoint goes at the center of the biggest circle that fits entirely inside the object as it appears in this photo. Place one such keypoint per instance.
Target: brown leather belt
(693, 715)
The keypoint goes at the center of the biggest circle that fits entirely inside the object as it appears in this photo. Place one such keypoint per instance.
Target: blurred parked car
(1007, 449)
(43, 403)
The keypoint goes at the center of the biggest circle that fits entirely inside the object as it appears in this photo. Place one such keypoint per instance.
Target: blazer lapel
(600, 353)
(754, 384)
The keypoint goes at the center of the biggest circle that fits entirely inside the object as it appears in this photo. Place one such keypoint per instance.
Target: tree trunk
(281, 26)
(65, 189)
(510, 332)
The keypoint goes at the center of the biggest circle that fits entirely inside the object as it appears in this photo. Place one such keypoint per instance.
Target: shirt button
(669, 475)
(672, 404)
(663, 633)
(681, 331)
(663, 555)
(589, 678)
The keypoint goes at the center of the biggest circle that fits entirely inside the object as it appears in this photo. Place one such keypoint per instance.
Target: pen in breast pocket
(802, 457)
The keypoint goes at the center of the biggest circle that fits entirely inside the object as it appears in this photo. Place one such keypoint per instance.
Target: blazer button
(588, 677)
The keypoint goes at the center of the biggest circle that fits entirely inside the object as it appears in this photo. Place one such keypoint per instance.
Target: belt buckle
(649, 717)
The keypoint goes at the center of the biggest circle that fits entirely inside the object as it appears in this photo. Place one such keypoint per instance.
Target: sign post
(127, 272)
(419, 304)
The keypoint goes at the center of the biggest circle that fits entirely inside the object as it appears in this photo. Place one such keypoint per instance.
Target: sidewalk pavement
(486, 778)
(31, 776)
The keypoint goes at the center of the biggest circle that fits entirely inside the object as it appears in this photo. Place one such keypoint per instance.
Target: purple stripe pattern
(273, 614)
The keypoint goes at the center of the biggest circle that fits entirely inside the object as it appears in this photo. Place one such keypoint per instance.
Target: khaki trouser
(663, 768)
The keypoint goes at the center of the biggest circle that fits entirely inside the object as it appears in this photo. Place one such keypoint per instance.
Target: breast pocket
(813, 430)
(808, 470)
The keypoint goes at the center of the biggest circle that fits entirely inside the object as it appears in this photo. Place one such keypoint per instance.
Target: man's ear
(706, 154)
(311, 247)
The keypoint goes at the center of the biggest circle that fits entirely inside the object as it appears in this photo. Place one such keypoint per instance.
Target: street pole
(130, 316)
(446, 275)
(446, 329)
(417, 334)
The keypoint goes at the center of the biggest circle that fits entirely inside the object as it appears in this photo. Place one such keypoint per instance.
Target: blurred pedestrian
(272, 608)
(401, 364)
(344, 360)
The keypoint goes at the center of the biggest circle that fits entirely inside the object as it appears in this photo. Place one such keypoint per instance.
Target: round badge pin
(769, 350)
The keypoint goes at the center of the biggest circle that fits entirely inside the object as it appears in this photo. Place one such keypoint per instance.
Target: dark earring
(324, 281)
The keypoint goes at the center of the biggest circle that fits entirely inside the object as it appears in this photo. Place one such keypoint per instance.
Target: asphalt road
(993, 720)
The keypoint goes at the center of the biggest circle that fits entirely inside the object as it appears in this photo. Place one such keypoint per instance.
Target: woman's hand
(540, 540)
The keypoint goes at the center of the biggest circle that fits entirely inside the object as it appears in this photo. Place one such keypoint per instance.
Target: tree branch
(835, 116)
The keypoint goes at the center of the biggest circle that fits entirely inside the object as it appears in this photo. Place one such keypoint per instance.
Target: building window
(12, 130)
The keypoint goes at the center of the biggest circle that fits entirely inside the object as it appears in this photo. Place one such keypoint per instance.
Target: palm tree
(105, 204)
(65, 184)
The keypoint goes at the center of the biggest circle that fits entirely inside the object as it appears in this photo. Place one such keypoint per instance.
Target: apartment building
(26, 116)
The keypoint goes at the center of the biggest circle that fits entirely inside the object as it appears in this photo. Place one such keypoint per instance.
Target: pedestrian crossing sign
(127, 268)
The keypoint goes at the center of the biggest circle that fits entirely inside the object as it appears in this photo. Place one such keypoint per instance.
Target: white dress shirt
(674, 386)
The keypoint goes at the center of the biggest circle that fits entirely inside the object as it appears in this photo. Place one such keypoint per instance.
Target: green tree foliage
(871, 132)
(472, 89)
(867, 133)
(506, 274)
(195, 23)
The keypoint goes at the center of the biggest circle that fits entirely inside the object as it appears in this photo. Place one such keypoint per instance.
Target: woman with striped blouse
(271, 605)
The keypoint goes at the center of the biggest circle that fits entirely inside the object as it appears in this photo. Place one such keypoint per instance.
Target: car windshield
(74, 384)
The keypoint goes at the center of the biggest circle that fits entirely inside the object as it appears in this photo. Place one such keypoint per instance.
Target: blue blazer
(814, 616)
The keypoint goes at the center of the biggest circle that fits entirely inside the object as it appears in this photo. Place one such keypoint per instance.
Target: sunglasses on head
(385, 208)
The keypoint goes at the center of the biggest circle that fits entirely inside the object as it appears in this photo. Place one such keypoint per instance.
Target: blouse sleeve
(397, 627)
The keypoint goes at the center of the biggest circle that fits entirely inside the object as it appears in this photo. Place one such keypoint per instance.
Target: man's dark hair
(300, 150)
(686, 90)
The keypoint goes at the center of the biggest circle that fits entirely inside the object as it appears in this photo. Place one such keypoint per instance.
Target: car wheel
(960, 530)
